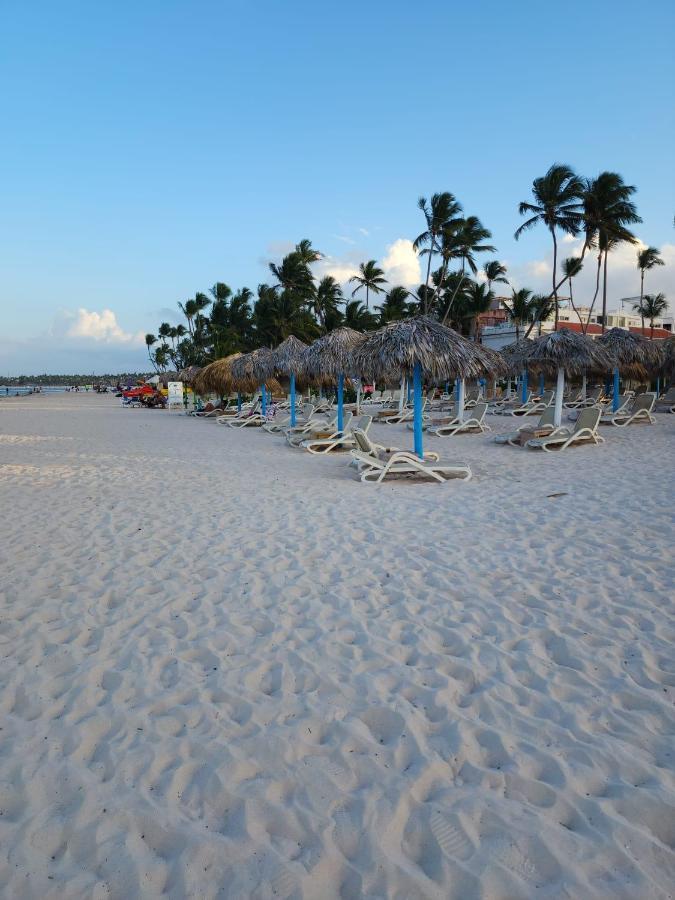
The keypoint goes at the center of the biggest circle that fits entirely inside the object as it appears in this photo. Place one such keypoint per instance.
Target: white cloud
(623, 277)
(101, 327)
(401, 264)
(364, 231)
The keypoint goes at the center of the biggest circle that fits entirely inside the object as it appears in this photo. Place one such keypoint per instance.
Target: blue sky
(150, 149)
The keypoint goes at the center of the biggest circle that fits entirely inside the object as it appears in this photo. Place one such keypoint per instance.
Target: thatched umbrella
(253, 370)
(667, 357)
(633, 355)
(288, 360)
(332, 355)
(421, 344)
(188, 374)
(216, 377)
(513, 355)
(565, 351)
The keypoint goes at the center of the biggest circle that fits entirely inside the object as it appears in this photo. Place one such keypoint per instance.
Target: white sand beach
(231, 670)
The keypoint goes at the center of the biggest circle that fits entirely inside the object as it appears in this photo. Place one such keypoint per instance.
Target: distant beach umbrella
(188, 375)
(667, 355)
(565, 351)
(513, 355)
(216, 377)
(331, 356)
(253, 370)
(288, 360)
(418, 346)
(634, 356)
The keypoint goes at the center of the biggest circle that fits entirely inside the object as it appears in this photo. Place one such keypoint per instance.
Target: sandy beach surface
(231, 670)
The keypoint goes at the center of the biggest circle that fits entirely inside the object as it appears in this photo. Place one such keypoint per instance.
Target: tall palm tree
(371, 278)
(647, 259)
(150, 339)
(520, 308)
(189, 310)
(571, 268)
(438, 213)
(495, 272)
(395, 305)
(307, 253)
(467, 240)
(558, 205)
(542, 310)
(652, 306)
(608, 210)
(326, 302)
(358, 317)
(476, 299)
(220, 292)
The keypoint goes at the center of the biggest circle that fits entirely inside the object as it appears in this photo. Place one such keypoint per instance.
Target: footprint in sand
(451, 837)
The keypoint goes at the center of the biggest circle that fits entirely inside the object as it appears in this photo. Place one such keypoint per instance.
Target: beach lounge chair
(545, 422)
(581, 402)
(251, 417)
(585, 431)
(640, 411)
(509, 403)
(395, 417)
(471, 425)
(625, 402)
(666, 403)
(317, 429)
(280, 423)
(340, 440)
(402, 464)
(379, 451)
(530, 408)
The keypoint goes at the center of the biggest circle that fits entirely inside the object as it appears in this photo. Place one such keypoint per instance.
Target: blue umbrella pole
(340, 398)
(264, 400)
(292, 400)
(523, 387)
(417, 413)
(239, 402)
(615, 394)
(542, 387)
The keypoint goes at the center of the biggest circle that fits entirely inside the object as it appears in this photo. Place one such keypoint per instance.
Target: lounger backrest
(308, 410)
(547, 397)
(478, 412)
(361, 423)
(643, 401)
(346, 421)
(588, 418)
(669, 396)
(363, 442)
(547, 417)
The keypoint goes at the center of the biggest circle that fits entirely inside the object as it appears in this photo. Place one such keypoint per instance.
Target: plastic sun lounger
(667, 401)
(340, 440)
(317, 429)
(473, 424)
(403, 464)
(379, 451)
(545, 422)
(276, 426)
(585, 431)
(530, 408)
(581, 402)
(396, 418)
(640, 411)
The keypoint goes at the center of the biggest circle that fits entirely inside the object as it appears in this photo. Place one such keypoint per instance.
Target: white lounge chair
(640, 411)
(589, 400)
(546, 421)
(666, 403)
(340, 440)
(247, 409)
(403, 464)
(585, 431)
(395, 417)
(472, 424)
(277, 425)
(317, 429)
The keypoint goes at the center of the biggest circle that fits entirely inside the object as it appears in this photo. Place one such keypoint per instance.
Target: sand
(231, 670)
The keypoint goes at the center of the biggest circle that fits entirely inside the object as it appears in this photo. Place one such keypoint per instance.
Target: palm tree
(467, 240)
(189, 310)
(395, 306)
(307, 253)
(371, 278)
(476, 300)
(220, 292)
(495, 273)
(648, 258)
(326, 302)
(652, 306)
(438, 213)
(571, 268)
(542, 310)
(358, 317)
(608, 210)
(520, 308)
(150, 339)
(558, 205)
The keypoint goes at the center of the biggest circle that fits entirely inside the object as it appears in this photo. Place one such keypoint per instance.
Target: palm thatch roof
(667, 354)
(253, 369)
(216, 377)
(188, 375)
(331, 355)
(634, 354)
(513, 354)
(568, 350)
(289, 356)
(442, 353)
